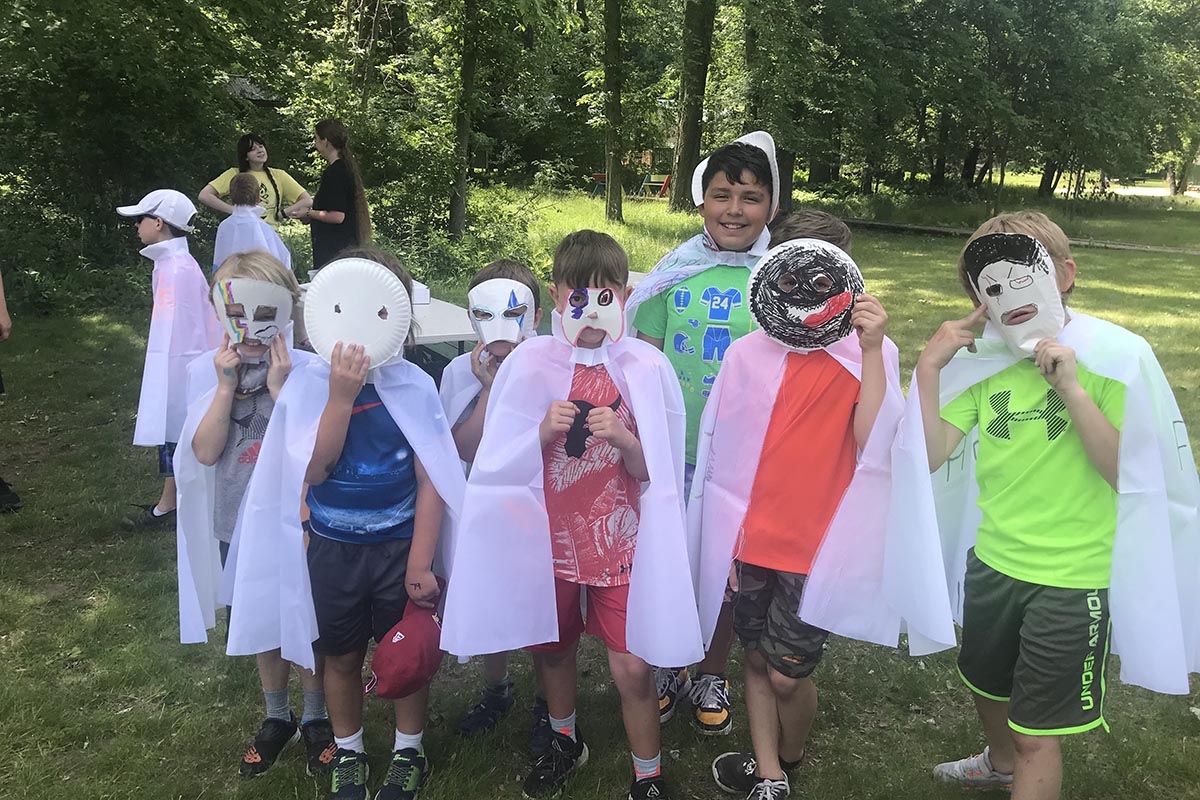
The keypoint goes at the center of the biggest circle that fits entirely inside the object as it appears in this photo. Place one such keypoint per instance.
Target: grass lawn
(101, 701)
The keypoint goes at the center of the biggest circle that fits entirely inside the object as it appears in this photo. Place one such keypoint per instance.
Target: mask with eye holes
(252, 311)
(599, 309)
(1014, 277)
(802, 293)
(356, 301)
(501, 310)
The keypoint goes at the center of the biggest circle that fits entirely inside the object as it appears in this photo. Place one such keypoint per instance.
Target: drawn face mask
(1014, 278)
(601, 309)
(356, 301)
(252, 312)
(501, 310)
(802, 293)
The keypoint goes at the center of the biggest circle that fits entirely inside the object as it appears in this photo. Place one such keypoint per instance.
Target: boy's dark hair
(590, 258)
(808, 223)
(243, 190)
(512, 270)
(393, 263)
(734, 159)
(168, 227)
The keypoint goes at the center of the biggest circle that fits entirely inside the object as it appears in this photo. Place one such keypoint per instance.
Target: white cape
(244, 230)
(270, 594)
(1154, 591)
(870, 577)
(182, 326)
(502, 594)
(459, 387)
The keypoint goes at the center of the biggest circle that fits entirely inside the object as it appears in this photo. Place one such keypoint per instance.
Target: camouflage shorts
(765, 619)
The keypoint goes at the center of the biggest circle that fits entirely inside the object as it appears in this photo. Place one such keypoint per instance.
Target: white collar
(585, 356)
(171, 247)
(248, 211)
(760, 247)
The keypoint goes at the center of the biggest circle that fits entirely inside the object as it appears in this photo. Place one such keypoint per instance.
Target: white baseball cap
(172, 207)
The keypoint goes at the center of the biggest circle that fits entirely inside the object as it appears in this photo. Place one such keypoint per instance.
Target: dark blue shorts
(166, 454)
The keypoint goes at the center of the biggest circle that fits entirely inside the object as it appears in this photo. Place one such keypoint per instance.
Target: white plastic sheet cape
(183, 325)
(356, 301)
(1154, 591)
(501, 310)
(501, 596)
(243, 231)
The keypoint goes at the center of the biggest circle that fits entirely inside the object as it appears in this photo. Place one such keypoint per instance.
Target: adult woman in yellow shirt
(279, 193)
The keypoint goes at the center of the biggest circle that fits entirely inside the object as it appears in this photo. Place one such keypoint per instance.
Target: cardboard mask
(1014, 278)
(802, 293)
(356, 301)
(602, 309)
(501, 310)
(251, 310)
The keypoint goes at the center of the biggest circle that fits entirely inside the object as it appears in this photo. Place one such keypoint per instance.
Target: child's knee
(1034, 746)
(344, 663)
(783, 686)
(630, 673)
(755, 660)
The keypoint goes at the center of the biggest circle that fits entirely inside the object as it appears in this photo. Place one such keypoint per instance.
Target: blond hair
(1030, 223)
(243, 190)
(257, 265)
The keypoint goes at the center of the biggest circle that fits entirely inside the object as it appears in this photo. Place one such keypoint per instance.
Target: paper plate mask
(356, 301)
(602, 309)
(250, 310)
(1014, 278)
(501, 310)
(763, 141)
(802, 293)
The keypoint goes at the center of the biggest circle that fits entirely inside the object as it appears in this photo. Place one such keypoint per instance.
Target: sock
(790, 766)
(158, 513)
(352, 742)
(647, 767)
(564, 726)
(277, 705)
(314, 706)
(409, 741)
(502, 686)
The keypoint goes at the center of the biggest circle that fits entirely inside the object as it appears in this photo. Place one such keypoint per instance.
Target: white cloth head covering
(763, 141)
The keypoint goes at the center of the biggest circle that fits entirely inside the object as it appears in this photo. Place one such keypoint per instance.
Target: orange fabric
(807, 461)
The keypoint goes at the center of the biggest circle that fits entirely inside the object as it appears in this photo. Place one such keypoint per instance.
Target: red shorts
(605, 616)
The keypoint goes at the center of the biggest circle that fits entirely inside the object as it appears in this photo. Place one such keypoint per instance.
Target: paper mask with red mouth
(1014, 278)
(802, 293)
(252, 311)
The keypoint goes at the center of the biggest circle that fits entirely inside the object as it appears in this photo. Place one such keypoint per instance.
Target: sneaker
(671, 684)
(405, 777)
(648, 789)
(710, 696)
(319, 745)
(734, 772)
(550, 771)
(540, 734)
(350, 773)
(272, 737)
(487, 713)
(770, 790)
(9, 501)
(146, 520)
(974, 773)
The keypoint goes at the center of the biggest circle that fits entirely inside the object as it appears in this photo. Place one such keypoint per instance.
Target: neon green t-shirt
(268, 199)
(1049, 517)
(697, 320)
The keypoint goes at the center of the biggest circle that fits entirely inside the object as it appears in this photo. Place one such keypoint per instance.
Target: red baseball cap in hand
(409, 656)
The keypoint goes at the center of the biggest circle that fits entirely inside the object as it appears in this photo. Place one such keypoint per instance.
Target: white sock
(564, 726)
(158, 513)
(409, 741)
(352, 742)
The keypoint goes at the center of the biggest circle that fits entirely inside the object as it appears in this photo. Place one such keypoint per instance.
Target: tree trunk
(754, 101)
(1172, 186)
(1000, 184)
(866, 182)
(462, 121)
(1046, 184)
(699, 17)
(970, 161)
(984, 172)
(787, 169)
(937, 177)
(613, 149)
(1183, 168)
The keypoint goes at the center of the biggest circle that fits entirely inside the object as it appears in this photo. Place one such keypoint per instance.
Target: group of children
(724, 450)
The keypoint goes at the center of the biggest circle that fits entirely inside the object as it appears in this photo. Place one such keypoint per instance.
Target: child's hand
(347, 372)
(280, 368)
(484, 370)
(227, 362)
(422, 587)
(951, 337)
(603, 423)
(870, 320)
(1057, 364)
(557, 421)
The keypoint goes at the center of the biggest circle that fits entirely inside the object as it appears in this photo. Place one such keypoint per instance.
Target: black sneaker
(711, 714)
(319, 745)
(540, 734)
(406, 775)
(9, 501)
(487, 713)
(648, 789)
(550, 771)
(350, 773)
(734, 772)
(146, 520)
(672, 683)
(272, 737)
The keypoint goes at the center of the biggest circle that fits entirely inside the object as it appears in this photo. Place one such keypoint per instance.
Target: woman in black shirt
(339, 217)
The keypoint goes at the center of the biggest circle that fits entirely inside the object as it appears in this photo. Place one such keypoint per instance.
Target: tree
(613, 150)
(696, 46)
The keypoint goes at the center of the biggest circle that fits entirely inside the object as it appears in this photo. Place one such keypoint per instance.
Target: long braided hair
(244, 146)
(334, 132)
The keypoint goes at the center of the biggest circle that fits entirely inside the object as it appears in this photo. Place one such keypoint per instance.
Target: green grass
(100, 700)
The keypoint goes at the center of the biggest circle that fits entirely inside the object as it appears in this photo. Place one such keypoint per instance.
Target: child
(244, 230)
(822, 369)
(1077, 448)
(182, 326)
(576, 484)
(809, 223)
(364, 430)
(504, 306)
(254, 295)
(692, 306)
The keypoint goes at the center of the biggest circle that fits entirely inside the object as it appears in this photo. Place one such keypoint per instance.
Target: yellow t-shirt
(267, 198)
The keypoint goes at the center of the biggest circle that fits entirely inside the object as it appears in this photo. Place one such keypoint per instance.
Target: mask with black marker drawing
(1014, 277)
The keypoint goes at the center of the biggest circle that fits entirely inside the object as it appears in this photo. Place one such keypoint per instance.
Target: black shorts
(1040, 648)
(766, 618)
(358, 591)
(166, 455)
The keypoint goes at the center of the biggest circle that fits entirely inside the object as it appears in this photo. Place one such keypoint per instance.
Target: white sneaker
(975, 772)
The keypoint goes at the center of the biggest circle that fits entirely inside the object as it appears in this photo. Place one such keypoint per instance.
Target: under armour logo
(1051, 413)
